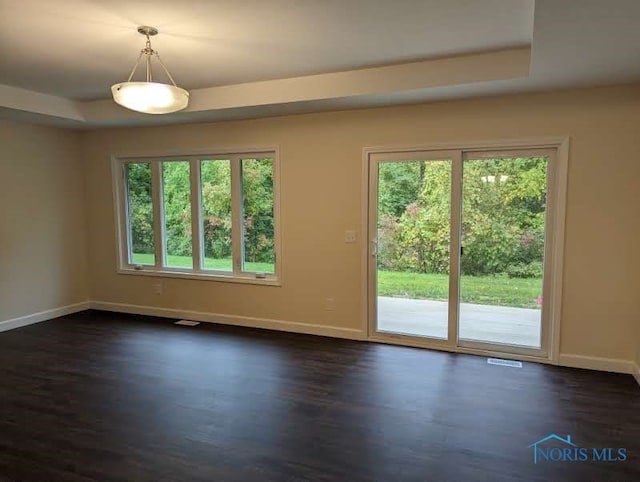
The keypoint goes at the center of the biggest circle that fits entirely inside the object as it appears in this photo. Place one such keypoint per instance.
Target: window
(206, 216)
(140, 214)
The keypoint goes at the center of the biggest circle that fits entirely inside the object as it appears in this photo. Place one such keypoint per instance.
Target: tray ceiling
(253, 58)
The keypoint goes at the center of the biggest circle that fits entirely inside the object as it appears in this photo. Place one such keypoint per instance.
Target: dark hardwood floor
(103, 396)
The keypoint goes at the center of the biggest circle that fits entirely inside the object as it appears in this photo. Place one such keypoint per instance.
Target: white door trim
(557, 192)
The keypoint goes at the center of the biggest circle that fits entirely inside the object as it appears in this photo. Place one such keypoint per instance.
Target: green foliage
(413, 231)
(140, 207)
(391, 255)
(257, 181)
(216, 208)
(521, 270)
(399, 185)
(425, 224)
(502, 222)
(489, 245)
(177, 207)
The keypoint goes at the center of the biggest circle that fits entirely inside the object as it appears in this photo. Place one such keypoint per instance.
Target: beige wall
(42, 225)
(321, 164)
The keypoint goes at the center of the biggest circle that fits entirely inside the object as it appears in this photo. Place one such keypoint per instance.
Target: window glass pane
(215, 180)
(140, 209)
(257, 205)
(413, 250)
(503, 234)
(176, 192)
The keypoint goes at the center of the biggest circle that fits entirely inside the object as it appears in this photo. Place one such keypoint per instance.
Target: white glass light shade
(150, 97)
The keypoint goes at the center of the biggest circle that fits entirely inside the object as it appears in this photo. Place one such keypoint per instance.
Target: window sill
(270, 280)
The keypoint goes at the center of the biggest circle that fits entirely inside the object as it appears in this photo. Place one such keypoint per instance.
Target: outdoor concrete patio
(493, 324)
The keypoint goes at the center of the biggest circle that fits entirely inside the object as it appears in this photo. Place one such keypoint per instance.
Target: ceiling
(252, 58)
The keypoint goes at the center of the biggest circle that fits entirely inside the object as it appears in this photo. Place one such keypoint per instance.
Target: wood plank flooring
(104, 396)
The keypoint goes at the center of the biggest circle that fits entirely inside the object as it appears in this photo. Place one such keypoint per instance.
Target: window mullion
(455, 246)
(158, 214)
(196, 214)
(237, 227)
(126, 249)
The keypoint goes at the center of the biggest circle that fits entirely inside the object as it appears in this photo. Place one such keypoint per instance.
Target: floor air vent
(504, 363)
(187, 323)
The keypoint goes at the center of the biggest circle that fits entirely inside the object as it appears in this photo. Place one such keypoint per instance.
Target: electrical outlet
(350, 236)
(157, 288)
(330, 304)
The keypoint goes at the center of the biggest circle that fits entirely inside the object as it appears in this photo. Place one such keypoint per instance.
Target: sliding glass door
(457, 248)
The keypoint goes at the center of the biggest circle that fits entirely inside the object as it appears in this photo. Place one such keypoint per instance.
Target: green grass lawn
(485, 290)
(209, 263)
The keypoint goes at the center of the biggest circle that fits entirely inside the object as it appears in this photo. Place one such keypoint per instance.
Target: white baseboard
(246, 321)
(42, 316)
(616, 365)
(569, 360)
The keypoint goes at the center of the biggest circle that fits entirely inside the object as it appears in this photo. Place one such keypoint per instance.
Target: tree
(398, 186)
(216, 208)
(140, 207)
(257, 181)
(502, 223)
(257, 191)
(177, 207)
(424, 232)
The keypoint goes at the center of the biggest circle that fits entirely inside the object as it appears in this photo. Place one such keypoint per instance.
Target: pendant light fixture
(150, 97)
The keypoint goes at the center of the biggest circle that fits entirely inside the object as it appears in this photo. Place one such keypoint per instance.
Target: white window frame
(235, 157)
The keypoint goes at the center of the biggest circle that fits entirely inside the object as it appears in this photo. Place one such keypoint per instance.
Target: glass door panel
(502, 256)
(413, 242)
